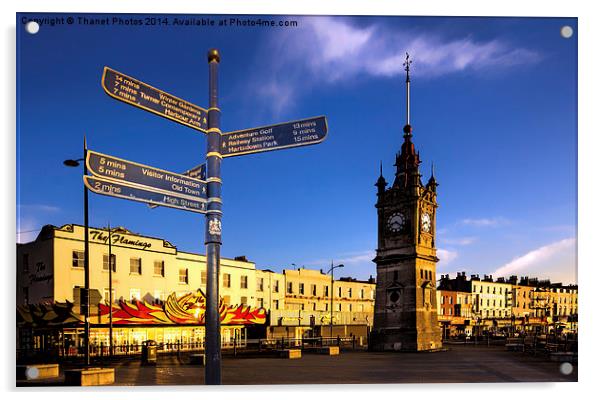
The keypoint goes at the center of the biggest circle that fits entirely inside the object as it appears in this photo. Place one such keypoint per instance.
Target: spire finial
(381, 167)
(433, 169)
(406, 65)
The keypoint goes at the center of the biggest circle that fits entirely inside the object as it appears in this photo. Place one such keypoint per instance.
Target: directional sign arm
(122, 190)
(274, 137)
(139, 94)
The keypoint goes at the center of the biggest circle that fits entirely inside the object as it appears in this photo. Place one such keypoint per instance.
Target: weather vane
(406, 65)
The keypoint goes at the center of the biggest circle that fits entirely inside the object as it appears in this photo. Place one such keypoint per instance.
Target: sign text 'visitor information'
(144, 195)
(274, 137)
(141, 95)
(110, 167)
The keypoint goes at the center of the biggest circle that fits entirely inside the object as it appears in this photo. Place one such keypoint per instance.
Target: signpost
(274, 137)
(142, 194)
(141, 95)
(162, 188)
(118, 169)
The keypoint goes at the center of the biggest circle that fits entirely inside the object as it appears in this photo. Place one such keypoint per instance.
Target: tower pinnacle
(406, 68)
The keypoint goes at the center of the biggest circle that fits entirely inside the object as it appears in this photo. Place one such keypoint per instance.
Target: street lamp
(111, 266)
(86, 293)
(331, 270)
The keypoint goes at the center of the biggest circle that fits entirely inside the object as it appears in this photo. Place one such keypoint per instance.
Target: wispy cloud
(543, 260)
(461, 241)
(38, 208)
(353, 258)
(485, 222)
(334, 49)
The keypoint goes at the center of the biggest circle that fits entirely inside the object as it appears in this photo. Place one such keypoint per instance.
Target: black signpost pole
(213, 228)
(86, 299)
(110, 293)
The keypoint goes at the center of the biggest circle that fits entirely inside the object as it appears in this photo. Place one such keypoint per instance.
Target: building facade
(150, 272)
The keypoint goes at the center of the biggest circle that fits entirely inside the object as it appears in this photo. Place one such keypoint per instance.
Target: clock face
(395, 222)
(425, 222)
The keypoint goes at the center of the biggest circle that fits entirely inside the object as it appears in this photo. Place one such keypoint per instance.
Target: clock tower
(405, 311)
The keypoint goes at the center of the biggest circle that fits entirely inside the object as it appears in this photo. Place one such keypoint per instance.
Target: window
(442, 300)
(326, 309)
(350, 293)
(106, 295)
(244, 281)
(289, 287)
(25, 262)
(275, 304)
(183, 275)
(226, 299)
(395, 275)
(451, 300)
(243, 300)
(326, 291)
(203, 277)
(276, 286)
(340, 292)
(226, 283)
(421, 274)
(314, 291)
(340, 307)
(431, 275)
(314, 306)
(260, 284)
(361, 293)
(361, 308)
(135, 294)
(301, 288)
(105, 262)
(159, 268)
(350, 307)
(78, 259)
(260, 302)
(136, 266)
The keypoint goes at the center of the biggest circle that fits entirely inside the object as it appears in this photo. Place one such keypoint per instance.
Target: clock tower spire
(405, 311)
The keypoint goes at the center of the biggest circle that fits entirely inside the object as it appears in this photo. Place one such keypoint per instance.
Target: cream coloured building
(51, 269)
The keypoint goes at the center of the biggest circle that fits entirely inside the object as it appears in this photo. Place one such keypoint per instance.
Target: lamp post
(331, 270)
(110, 294)
(86, 293)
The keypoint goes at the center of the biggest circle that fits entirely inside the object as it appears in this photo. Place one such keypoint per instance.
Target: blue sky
(494, 106)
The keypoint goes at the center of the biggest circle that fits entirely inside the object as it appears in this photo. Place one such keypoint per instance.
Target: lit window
(78, 259)
(135, 294)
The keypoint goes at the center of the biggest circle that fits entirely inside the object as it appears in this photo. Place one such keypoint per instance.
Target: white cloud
(485, 222)
(554, 261)
(446, 257)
